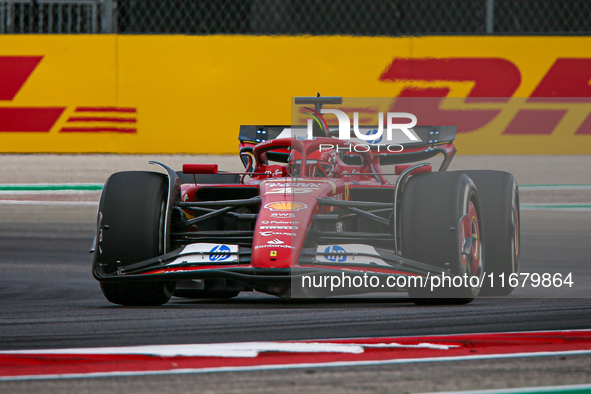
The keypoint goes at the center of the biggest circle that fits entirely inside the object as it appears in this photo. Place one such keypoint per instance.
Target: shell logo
(285, 206)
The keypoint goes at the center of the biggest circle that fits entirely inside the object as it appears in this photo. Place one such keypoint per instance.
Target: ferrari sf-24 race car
(298, 211)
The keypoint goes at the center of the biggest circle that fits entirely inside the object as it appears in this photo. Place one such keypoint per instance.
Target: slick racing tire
(439, 213)
(499, 199)
(133, 208)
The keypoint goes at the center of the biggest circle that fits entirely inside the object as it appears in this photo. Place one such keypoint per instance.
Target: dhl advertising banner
(190, 94)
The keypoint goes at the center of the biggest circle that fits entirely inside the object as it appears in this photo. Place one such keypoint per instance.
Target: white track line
(292, 366)
(311, 365)
(233, 349)
(237, 349)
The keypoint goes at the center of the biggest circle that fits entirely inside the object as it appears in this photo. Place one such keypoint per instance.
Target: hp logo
(219, 253)
(334, 257)
(377, 140)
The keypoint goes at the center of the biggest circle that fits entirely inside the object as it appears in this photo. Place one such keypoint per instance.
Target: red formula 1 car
(306, 213)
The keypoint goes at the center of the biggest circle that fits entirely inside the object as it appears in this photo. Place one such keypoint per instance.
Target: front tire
(440, 218)
(133, 208)
(499, 196)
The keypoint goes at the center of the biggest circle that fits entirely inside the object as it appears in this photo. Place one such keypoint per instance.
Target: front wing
(207, 260)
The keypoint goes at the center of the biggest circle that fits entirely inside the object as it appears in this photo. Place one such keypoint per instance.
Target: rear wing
(428, 136)
(257, 134)
(407, 145)
(431, 140)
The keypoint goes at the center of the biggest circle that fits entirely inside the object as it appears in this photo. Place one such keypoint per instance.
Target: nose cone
(281, 225)
(279, 234)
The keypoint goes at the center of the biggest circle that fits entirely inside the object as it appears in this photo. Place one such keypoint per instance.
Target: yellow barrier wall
(189, 94)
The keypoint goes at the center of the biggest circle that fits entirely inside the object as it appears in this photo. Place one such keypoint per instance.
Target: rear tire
(133, 207)
(499, 198)
(432, 233)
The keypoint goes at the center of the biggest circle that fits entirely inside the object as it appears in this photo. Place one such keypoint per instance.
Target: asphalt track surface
(50, 300)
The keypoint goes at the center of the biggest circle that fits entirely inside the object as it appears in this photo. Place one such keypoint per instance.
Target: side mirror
(200, 169)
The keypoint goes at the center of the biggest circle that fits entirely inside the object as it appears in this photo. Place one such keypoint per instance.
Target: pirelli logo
(14, 73)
